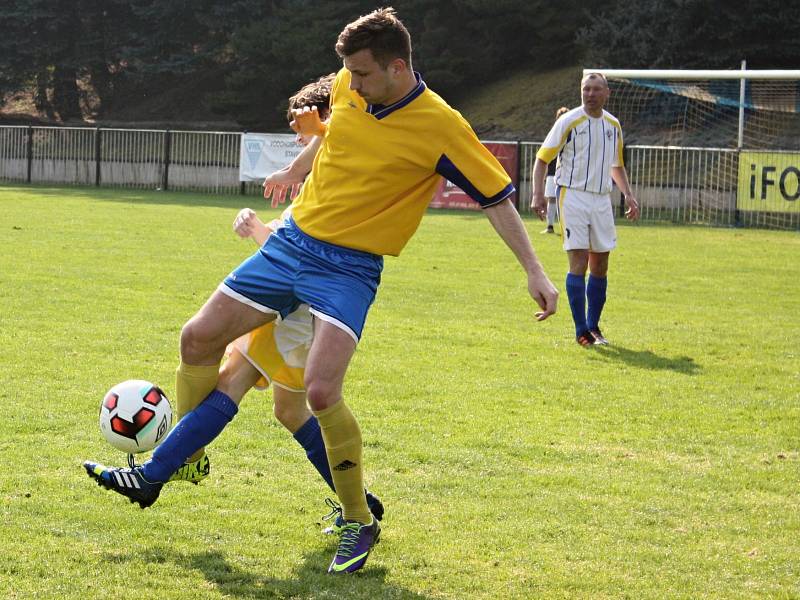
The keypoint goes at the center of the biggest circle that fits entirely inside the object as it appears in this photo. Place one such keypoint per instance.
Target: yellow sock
(342, 438)
(192, 385)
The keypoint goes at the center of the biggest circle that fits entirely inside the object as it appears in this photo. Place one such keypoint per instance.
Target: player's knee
(321, 394)
(196, 345)
(598, 264)
(283, 412)
(188, 342)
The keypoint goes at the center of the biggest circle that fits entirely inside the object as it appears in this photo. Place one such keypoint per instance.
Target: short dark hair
(595, 75)
(317, 93)
(380, 32)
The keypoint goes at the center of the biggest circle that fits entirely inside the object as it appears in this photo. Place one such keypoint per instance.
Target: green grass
(513, 463)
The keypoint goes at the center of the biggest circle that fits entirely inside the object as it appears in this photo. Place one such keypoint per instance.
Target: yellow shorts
(279, 350)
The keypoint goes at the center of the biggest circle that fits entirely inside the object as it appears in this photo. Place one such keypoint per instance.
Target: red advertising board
(449, 195)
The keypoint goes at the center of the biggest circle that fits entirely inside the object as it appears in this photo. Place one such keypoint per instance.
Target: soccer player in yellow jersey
(273, 354)
(588, 143)
(388, 142)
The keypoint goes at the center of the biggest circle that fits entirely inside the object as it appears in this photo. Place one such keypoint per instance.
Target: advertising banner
(263, 153)
(769, 181)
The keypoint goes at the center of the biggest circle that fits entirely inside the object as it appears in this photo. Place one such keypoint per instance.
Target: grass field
(513, 463)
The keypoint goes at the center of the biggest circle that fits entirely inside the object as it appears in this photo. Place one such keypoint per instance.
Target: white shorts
(587, 221)
(550, 187)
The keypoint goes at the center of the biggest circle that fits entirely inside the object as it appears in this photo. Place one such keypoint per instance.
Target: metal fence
(680, 185)
(131, 158)
(695, 185)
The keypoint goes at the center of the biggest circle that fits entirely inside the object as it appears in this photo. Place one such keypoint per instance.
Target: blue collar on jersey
(379, 111)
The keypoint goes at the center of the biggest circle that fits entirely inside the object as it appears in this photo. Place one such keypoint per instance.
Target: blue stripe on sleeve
(449, 171)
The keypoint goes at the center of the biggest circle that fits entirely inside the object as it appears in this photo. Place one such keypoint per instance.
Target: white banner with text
(265, 153)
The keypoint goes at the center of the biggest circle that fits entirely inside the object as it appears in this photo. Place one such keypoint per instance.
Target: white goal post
(770, 97)
(714, 146)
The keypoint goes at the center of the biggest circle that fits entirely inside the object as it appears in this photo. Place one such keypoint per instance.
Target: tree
(457, 43)
(273, 57)
(50, 46)
(693, 33)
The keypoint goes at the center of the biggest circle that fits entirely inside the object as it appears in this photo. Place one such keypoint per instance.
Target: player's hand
(278, 184)
(247, 223)
(276, 192)
(539, 204)
(306, 121)
(633, 207)
(544, 294)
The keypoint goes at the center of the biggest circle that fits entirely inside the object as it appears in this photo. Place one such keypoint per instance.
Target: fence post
(626, 156)
(29, 152)
(737, 215)
(97, 134)
(518, 176)
(167, 149)
(241, 183)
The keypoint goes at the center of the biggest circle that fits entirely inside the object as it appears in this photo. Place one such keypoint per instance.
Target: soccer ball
(135, 416)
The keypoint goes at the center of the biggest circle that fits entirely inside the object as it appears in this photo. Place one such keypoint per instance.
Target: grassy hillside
(522, 105)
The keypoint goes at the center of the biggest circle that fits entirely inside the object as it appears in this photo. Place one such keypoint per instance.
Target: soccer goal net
(712, 146)
(717, 109)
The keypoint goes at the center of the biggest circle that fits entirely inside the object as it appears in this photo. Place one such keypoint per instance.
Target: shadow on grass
(309, 580)
(646, 359)
(138, 196)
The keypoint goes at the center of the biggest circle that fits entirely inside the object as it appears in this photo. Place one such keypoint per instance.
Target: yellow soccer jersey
(378, 167)
(588, 147)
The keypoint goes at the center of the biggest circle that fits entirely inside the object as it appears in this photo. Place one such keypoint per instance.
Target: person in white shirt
(588, 143)
(550, 187)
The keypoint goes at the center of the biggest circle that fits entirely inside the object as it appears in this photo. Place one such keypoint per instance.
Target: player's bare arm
(538, 202)
(278, 183)
(620, 177)
(506, 221)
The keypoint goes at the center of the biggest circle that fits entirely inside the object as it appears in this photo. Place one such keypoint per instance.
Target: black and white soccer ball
(135, 416)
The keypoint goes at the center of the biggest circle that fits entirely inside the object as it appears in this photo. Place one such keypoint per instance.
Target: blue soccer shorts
(291, 268)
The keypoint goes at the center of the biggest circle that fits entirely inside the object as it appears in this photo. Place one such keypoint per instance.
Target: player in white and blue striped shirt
(588, 143)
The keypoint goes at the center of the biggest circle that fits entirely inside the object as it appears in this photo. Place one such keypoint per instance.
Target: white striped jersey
(586, 147)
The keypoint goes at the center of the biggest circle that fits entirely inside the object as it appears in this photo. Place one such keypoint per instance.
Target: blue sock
(596, 299)
(195, 430)
(576, 293)
(309, 436)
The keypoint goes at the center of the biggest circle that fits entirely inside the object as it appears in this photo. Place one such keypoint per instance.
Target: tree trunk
(103, 87)
(41, 99)
(66, 97)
